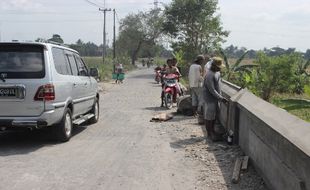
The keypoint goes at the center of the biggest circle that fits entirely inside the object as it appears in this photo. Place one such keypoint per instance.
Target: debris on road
(245, 163)
(161, 117)
(236, 172)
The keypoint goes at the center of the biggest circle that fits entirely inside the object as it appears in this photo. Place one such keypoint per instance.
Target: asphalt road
(122, 151)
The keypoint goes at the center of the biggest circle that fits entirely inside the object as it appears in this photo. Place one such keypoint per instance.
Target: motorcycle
(170, 90)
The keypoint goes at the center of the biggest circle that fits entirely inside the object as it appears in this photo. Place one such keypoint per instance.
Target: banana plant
(236, 67)
(303, 68)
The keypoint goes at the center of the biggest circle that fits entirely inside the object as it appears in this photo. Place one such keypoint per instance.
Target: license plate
(7, 92)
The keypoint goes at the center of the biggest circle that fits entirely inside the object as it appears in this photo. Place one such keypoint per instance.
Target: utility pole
(0, 31)
(104, 33)
(114, 36)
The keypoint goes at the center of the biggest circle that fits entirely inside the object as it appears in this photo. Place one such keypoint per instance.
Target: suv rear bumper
(22, 123)
(48, 118)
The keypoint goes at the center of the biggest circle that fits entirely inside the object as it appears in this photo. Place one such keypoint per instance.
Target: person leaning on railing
(212, 95)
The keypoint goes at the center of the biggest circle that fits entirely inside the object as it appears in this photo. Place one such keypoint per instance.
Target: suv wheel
(64, 128)
(95, 111)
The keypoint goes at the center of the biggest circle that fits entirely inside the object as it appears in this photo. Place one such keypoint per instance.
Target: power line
(49, 21)
(94, 4)
(101, 3)
(16, 12)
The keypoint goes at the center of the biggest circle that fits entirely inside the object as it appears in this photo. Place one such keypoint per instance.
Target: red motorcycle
(170, 89)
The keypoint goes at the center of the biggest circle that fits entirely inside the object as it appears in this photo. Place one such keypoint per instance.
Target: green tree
(56, 38)
(137, 30)
(86, 49)
(195, 26)
(273, 74)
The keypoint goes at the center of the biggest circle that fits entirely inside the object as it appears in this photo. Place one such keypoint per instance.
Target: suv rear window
(22, 61)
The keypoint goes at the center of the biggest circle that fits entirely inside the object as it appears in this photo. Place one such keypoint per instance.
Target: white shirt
(194, 75)
(207, 67)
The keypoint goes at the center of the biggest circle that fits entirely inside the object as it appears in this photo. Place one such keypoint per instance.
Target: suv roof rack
(53, 42)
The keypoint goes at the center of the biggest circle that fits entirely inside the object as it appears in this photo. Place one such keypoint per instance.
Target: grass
(298, 105)
(106, 69)
(245, 61)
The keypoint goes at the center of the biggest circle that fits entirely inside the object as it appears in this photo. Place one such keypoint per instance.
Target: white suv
(46, 85)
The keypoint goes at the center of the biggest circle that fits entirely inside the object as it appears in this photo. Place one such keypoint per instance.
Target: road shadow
(157, 108)
(180, 144)
(178, 117)
(20, 142)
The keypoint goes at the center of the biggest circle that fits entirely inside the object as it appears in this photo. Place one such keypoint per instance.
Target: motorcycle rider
(175, 64)
(164, 73)
(171, 69)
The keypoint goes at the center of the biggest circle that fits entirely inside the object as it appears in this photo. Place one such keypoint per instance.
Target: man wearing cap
(195, 78)
(212, 95)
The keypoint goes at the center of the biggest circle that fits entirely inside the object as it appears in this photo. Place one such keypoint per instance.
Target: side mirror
(83, 73)
(94, 72)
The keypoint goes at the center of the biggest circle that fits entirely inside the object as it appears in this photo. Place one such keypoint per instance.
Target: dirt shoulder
(216, 160)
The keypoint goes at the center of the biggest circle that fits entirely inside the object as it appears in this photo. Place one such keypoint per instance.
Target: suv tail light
(45, 92)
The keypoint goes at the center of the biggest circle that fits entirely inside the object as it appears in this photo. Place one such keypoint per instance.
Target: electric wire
(94, 4)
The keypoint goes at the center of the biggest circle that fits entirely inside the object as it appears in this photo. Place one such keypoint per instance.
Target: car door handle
(85, 83)
(74, 84)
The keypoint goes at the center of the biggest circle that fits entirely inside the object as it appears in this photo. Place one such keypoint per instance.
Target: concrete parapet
(277, 142)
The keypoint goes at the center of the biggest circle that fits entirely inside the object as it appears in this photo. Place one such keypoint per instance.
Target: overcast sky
(253, 23)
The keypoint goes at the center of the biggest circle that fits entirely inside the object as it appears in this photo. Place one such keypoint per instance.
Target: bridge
(277, 142)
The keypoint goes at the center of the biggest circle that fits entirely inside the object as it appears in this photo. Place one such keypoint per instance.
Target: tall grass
(105, 69)
(298, 105)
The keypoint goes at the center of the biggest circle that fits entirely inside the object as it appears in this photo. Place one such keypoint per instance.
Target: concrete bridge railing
(277, 142)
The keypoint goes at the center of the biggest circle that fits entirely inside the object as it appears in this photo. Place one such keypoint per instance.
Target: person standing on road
(212, 95)
(119, 71)
(195, 78)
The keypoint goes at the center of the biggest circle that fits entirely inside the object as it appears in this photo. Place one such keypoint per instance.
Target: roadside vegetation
(280, 79)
